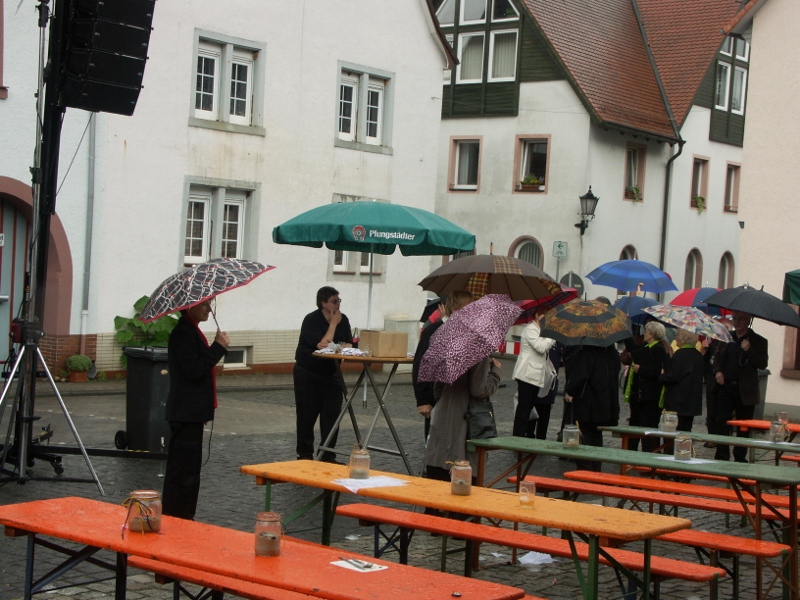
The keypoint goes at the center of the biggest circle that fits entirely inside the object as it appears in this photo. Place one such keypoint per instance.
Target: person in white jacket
(530, 371)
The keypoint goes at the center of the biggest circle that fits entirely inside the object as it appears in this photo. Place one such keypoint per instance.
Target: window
(791, 351)
(465, 162)
(530, 250)
(352, 265)
(723, 83)
(217, 222)
(365, 263)
(727, 45)
(738, 89)
(447, 13)
(236, 358)
(226, 92)
(340, 261)
(693, 275)
(503, 56)
(742, 50)
(530, 164)
(699, 183)
(470, 58)
(726, 271)
(628, 253)
(3, 89)
(448, 73)
(503, 10)
(634, 171)
(732, 188)
(363, 116)
(473, 11)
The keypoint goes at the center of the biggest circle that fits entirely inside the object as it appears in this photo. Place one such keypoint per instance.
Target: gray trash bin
(763, 376)
(146, 399)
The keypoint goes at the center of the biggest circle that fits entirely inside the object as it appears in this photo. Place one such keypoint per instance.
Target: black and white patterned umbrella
(198, 284)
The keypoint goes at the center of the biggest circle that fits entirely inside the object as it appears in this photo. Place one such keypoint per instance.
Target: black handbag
(480, 421)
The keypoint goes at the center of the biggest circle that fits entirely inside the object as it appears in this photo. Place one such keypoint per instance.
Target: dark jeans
(644, 414)
(538, 427)
(729, 401)
(182, 477)
(315, 397)
(527, 397)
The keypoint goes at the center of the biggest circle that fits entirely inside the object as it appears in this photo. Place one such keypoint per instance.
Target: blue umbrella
(633, 305)
(629, 275)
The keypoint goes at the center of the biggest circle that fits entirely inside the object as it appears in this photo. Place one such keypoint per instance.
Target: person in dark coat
(191, 402)
(647, 363)
(683, 379)
(593, 390)
(424, 390)
(736, 366)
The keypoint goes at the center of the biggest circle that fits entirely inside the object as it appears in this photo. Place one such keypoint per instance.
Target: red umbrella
(696, 298)
(529, 307)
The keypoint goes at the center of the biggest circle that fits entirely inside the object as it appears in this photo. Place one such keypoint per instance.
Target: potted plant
(699, 203)
(78, 365)
(531, 183)
(632, 193)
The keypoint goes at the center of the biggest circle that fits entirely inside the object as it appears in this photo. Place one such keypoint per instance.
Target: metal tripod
(23, 449)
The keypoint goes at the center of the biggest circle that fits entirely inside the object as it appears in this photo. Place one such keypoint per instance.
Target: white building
(564, 95)
(251, 113)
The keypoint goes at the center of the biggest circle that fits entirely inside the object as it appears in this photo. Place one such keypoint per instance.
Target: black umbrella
(757, 303)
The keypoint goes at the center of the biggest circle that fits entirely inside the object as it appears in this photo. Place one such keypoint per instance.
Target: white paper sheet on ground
(360, 484)
(536, 558)
(691, 461)
(498, 555)
(662, 433)
(346, 565)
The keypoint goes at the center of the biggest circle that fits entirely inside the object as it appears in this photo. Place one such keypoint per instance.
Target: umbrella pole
(369, 311)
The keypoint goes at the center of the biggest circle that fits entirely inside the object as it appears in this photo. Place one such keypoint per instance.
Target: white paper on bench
(691, 461)
(346, 565)
(372, 482)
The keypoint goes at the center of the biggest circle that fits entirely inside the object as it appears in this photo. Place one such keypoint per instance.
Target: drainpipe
(87, 245)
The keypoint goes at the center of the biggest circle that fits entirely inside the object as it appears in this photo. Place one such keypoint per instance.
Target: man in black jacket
(736, 366)
(191, 403)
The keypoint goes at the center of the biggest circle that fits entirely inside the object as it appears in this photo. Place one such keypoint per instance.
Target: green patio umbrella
(377, 228)
(791, 287)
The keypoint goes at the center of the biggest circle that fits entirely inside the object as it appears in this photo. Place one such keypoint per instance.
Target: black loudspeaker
(105, 54)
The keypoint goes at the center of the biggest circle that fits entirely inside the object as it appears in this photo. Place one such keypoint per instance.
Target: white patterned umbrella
(691, 319)
(198, 284)
(467, 337)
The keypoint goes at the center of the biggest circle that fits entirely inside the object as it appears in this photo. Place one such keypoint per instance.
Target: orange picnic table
(301, 567)
(586, 520)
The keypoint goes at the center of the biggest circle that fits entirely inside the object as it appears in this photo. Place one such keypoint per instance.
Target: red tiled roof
(684, 38)
(600, 45)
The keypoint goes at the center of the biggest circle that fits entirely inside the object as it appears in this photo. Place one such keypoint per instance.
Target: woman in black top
(683, 378)
(647, 363)
(317, 393)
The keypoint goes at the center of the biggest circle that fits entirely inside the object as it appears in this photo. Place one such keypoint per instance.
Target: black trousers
(182, 478)
(644, 414)
(527, 395)
(538, 427)
(591, 437)
(315, 397)
(729, 401)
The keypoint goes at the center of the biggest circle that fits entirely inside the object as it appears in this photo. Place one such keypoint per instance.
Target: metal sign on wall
(560, 249)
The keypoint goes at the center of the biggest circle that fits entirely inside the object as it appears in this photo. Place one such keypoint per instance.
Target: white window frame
(461, 39)
(238, 365)
(463, 21)
(507, 19)
(340, 267)
(526, 145)
(227, 51)
(216, 194)
(534, 243)
(439, 11)
(492, 35)
(740, 110)
(365, 80)
(198, 197)
(746, 56)
(448, 73)
(457, 157)
(727, 67)
(727, 46)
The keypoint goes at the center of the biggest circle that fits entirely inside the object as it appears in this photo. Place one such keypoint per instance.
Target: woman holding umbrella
(530, 373)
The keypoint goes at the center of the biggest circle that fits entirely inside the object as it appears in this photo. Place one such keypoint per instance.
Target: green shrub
(132, 329)
(79, 362)
(101, 376)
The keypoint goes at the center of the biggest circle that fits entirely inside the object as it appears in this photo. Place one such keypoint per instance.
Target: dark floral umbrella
(757, 303)
(198, 284)
(467, 337)
(586, 323)
(492, 274)
(691, 319)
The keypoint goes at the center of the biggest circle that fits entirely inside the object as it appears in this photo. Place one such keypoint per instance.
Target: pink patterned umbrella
(467, 337)
(691, 319)
(199, 283)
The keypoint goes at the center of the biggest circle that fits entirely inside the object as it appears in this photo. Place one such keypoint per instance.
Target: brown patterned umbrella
(484, 274)
(586, 323)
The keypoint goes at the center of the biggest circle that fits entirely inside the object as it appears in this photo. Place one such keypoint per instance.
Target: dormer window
(473, 12)
(447, 13)
(503, 10)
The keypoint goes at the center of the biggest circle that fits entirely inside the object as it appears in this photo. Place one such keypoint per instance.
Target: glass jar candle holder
(783, 417)
(684, 448)
(359, 464)
(461, 478)
(571, 436)
(144, 511)
(777, 432)
(268, 534)
(669, 421)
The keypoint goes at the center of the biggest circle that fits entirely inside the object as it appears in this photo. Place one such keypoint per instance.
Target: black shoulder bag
(480, 421)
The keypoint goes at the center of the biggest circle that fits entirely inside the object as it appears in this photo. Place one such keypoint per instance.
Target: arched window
(628, 253)
(726, 271)
(530, 250)
(693, 275)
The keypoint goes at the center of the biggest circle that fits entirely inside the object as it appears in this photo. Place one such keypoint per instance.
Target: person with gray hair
(644, 393)
(683, 380)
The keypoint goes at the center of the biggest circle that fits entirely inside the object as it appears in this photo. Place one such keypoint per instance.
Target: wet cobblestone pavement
(255, 423)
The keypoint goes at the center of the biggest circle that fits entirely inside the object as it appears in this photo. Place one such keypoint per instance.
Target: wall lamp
(588, 205)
